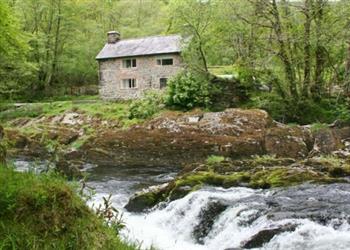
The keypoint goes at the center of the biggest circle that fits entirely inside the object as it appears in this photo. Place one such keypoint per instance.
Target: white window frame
(161, 59)
(124, 66)
(129, 82)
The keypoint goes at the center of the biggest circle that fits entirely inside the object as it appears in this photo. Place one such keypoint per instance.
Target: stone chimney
(113, 36)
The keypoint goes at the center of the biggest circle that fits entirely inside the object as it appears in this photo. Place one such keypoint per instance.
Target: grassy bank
(44, 212)
(105, 110)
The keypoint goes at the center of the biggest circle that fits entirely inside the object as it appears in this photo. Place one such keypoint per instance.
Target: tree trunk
(288, 67)
(318, 87)
(307, 48)
(347, 72)
(57, 41)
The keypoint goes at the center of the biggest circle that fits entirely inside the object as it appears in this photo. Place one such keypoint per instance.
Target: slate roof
(141, 46)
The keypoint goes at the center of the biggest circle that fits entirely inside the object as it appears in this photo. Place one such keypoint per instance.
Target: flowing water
(303, 217)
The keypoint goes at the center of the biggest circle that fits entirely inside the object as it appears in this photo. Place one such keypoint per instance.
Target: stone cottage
(128, 67)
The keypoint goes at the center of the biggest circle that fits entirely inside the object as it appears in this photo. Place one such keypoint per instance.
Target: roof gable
(141, 46)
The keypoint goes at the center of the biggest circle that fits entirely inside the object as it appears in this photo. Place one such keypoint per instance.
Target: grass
(264, 160)
(214, 159)
(224, 70)
(44, 212)
(316, 127)
(105, 110)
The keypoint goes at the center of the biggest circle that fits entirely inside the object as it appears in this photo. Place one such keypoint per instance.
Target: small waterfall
(244, 214)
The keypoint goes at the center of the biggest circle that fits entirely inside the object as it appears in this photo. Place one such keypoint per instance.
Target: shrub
(187, 90)
(305, 111)
(151, 103)
(272, 103)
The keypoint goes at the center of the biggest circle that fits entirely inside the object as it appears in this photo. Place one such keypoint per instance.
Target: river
(303, 217)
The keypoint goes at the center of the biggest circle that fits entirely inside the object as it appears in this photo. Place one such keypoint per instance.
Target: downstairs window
(129, 83)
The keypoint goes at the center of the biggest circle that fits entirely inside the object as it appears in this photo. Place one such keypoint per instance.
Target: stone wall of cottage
(147, 74)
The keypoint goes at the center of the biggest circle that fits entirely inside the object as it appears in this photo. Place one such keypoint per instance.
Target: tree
(193, 19)
(15, 71)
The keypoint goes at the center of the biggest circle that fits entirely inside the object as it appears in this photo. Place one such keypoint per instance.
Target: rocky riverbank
(172, 138)
(257, 151)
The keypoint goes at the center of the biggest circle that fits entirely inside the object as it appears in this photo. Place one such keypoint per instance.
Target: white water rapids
(319, 214)
(171, 227)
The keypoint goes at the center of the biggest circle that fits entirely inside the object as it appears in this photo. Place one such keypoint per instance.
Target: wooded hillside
(299, 51)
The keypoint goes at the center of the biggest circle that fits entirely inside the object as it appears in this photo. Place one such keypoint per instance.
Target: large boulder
(288, 141)
(181, 139)
(328, 140)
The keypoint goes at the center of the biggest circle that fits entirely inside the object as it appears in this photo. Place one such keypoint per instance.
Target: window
(129, 83)
(165, 61)
(163, 82)
(129, 63)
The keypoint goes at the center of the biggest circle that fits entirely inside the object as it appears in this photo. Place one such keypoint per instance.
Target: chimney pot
(113, 36)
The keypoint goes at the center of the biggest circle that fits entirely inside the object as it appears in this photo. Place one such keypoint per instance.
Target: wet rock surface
(257, 173)
(145, 199)
(207, 218)
(264, 236)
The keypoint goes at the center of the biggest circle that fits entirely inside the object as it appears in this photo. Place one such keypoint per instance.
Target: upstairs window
(129, 63)
(165, 61)
(129, 83)
(163, 82)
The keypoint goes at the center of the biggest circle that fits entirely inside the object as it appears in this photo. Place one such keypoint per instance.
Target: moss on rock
(256, 172)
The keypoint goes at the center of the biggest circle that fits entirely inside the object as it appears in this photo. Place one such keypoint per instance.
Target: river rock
(326, 141)
(286, 141)
(264, 236)
(207, 218)
(145, 199)
(71, 119)
(69, 168)
(63, 135)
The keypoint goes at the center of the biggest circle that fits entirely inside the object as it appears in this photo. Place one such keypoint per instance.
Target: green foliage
(188, 90)
(305, 111)
(151, 103)
(51, 45)
(110, 215)
(15, 71)
(193, 19)
(213, 159)
(44, 212)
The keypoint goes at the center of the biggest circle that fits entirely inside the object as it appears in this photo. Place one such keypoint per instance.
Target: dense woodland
(292, 57)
